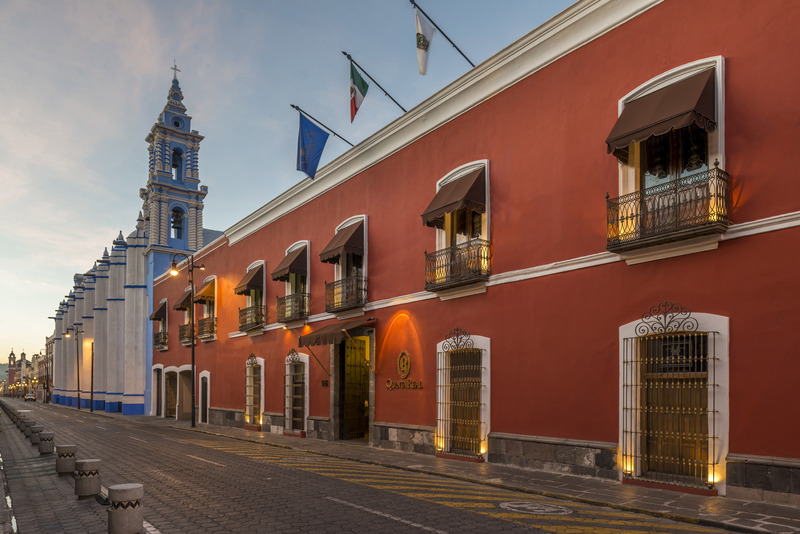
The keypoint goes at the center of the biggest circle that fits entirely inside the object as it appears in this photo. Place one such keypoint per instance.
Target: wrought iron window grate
(295, 394)
(460, 428)
(669, 417)
(185, 334)
(345, 294)
(252, 406)
(206, 327)
(251, 317)
(292, 307)
(458, 265)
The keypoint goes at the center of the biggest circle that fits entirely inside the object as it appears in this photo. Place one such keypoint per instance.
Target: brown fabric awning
(160, 312)
(206, 293)
(348, 239)
(254, 279)
(468, 192)
(331, 334)
(184, 302)
(294, 262)
(675, 106)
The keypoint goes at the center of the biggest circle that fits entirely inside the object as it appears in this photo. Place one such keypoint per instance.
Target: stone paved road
(204, 483)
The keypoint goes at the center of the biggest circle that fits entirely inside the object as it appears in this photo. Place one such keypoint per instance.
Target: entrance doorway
(159, 391)
(185, 395)
(171, 397)
(353, 377)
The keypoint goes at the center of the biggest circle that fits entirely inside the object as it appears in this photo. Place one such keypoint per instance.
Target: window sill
(671, 250)
(461, 291)
(206, 339)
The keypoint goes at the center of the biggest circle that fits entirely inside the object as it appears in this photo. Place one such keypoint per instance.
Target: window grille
(252, 413)
(669, 417)
(460, 428)
(295, 393)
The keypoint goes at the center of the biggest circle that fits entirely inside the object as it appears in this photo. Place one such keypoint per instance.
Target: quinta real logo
(403, 369)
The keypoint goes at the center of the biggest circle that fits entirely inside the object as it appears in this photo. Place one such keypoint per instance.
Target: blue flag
(309, 146)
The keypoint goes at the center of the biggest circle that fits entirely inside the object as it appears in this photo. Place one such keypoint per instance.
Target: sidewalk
(731, 514)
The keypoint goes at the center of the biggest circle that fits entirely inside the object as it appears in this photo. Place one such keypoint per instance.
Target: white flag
(424, 37)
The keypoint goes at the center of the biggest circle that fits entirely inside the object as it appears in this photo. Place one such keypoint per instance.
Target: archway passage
(171, 394)
(185, 395)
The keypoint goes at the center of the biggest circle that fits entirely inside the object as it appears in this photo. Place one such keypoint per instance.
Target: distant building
(101, 328)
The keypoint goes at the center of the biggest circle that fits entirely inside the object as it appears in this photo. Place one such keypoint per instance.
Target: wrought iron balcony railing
(160, 340)
(185, 334)
(292, 307)
(458, 265)
(251, 318)
(206, 327)
(692, 206)
(345, 294)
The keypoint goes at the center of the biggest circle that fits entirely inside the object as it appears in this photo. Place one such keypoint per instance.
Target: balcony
(251, 318)
(160, 340)
(692, 206)
(458, 265)
(345, 294)
(292, 307)
(185, 334)
(206, 327)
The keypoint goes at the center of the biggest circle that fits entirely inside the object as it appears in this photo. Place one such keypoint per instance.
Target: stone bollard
(125, 515)
(46, 442)
(87, 477)
(65, 459)
(28, 424)
(35, 434)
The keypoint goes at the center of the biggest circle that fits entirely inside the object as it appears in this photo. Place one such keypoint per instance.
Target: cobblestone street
(204, 482)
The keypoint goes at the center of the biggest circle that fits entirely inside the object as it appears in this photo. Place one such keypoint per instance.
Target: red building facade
(576, 257)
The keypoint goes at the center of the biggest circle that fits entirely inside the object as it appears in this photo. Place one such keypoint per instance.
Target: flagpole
(315, 120)
(373, 79)
(440, 31)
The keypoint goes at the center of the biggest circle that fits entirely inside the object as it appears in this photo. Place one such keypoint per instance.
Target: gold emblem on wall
(403, 365)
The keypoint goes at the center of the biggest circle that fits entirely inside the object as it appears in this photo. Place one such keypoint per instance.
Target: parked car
(30, 397)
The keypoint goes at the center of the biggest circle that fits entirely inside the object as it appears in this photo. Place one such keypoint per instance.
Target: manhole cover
(536, 508)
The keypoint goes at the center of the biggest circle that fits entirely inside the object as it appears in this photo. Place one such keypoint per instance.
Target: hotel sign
(403, 369)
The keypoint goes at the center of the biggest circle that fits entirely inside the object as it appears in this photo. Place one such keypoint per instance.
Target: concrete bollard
(87, 477)
(28, 424)
(35, 430)
(65, 459)
(125, 515)
(46, 442)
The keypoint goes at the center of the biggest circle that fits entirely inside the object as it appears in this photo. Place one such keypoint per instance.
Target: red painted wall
(555, 339)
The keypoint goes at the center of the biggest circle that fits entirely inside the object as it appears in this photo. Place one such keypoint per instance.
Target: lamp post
(77, 360)
(173, 271)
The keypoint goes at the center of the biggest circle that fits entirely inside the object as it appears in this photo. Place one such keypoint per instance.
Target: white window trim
(294, 246)
(177, 371)
(718, 396)
(355, 219)
(255, 265)
(287, 404)
(485, 345)
(716, 141)
(166, 319)
(455, 174)
(207, 375)
(260, 362)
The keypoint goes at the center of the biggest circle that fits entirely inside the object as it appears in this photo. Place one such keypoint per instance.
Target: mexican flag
(358, 90)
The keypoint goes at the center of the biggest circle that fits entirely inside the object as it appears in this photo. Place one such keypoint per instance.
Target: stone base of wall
(272, 422)
(597, 459)
(217, 416)
(318, 428)
(403, 438)
(759, 478)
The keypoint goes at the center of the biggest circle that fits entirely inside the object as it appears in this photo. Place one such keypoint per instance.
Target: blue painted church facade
(103, 340)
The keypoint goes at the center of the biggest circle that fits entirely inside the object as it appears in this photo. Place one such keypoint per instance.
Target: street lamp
(77, 360)
(173, 271)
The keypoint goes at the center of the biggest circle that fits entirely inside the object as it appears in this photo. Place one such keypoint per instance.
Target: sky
(82, 82)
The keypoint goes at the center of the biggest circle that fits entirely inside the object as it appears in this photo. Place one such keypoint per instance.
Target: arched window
(177, 224)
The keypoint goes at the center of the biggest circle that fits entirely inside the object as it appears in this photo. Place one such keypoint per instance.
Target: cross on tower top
(175, 68)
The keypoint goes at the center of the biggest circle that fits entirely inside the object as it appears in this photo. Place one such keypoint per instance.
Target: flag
(310, 144)
(358, 90)
(424, 36)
